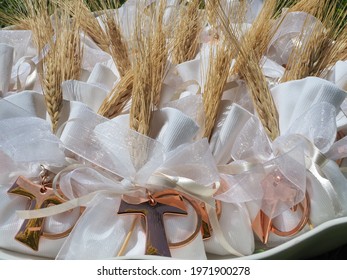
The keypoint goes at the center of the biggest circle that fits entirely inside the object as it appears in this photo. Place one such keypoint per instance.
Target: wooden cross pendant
(39, 197)
(153, 211)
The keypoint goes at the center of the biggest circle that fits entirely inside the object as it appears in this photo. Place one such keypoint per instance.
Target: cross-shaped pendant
(153, 211)
(39, 197)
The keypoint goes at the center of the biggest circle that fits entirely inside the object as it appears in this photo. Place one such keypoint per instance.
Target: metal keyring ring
(195, 206)
(306, 207)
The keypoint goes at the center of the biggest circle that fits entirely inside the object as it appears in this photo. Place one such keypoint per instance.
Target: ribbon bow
(118, 161)
(275, 173)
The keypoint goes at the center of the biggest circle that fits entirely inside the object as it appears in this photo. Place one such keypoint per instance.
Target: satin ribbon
(181, 184)
(316, 168)
(31, 77)
(315, 159)
(187, 186)
(315, 162)
(88, 126)
(292, 30)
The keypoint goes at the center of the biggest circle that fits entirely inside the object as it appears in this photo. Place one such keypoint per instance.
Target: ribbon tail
(58, 209)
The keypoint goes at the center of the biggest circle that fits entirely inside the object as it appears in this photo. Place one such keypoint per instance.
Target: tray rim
(273, 253)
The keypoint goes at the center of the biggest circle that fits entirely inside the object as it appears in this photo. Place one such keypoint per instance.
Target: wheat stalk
(323, 47)
(110, 40)
(217, 74)
(258, 37)
(118, 47)
(118, 97)
(338, 49)
(313, 7)
(117, 44)
(38, 19)
(150, 64)
(159, 52)
(186, 32)
(89, 24)
(252, 74)
(61, 53)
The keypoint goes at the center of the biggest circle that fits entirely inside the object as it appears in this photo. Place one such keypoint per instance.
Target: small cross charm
(39, 197)
(153, 211)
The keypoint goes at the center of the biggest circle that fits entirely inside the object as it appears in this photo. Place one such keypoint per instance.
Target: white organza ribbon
(294, 29)
(9, 110)
(120, 161)
(283, 158)
(19, 152)
(26, 143)
(260, 183)
(29, 140)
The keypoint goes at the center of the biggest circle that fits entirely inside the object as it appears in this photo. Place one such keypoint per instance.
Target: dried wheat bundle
(17, 19)
(313, 7)
(336, 30)
(119, 50)
(235, 11)
(258, 37)
(110, 39)
(217, 75)
(117, 45)
(150, 62)
(251, 72)
(187, 31)
(38, 19)
(151, 43)
(338, 49)
(89, 24)
(58, 42)
(325, 45)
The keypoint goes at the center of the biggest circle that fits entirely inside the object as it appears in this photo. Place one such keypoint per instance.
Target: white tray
(325, 237)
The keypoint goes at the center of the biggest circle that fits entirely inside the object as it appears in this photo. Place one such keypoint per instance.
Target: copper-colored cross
(39, 197)
(153, 211)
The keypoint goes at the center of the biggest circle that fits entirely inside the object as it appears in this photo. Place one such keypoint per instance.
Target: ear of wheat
(320, 50)
(89, 24)
(118, 97)
(252, 73)
(150, 62)
(217, 74)
(186, 32)
(258, 37)
(58, 41)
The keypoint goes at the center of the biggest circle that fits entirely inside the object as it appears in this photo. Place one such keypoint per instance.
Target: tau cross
(153, 211)
(39, 197)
